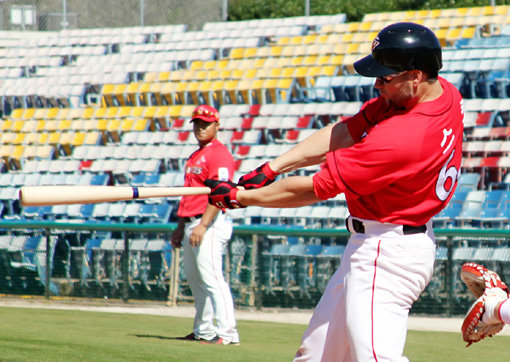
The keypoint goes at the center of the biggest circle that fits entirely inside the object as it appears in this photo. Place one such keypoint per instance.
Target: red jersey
(212, 161)
(405, 164)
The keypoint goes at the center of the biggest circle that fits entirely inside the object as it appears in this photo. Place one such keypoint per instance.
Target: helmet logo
(375, 43)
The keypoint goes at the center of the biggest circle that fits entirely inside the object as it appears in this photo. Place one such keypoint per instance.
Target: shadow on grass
(162, 337)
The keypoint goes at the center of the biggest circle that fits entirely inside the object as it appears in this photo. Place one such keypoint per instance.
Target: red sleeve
(324, 184)
(371, 113)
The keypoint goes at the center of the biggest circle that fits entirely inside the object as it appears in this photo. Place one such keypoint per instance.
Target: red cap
(205, 113)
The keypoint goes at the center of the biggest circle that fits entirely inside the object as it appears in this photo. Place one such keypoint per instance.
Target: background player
(204, 231)
(397, 161)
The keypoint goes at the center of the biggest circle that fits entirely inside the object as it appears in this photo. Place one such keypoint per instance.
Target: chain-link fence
(55, 15)
(264, 266)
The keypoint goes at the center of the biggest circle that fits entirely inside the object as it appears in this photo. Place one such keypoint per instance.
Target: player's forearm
(313, 149)
(209, 215)
(289, 192)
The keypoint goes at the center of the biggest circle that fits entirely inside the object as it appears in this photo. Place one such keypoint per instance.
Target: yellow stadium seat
(209, 64)
(167, 92)
(149, 111)
(423, 14)
(242, 91)
(65, 124)
(310, 60)
(17, 113)
(347, 38)
(275, 51)
(92, 138)
(7, 137)
(31, 138)
(353, 48)
(141, 124)
(42, 138)
(461, 11)
(436, 13)
(153, 96)
(211, 74)
(284, 40)
(151, 77)
(131, 93)
(102, 124)
(30, 126)
(297, 61)
(114, 124)
(44, 151)
(263, 73)
(229, 89)
(75, 113)
(365, 48)
(87, 113)
(468, 32)
(501, 9)
(51, 125)
(19, 138)
(40, 113)
(475, 11)
(107, 92)
(341, 28)
(187, 110)
(52, 113)
(296, 40)
(236, 53)
(225, 74)
(76, 125)
(201, 74)
(163, 111)
(19, 151)
(301, 50)
(165, 76)
(54, 137)
(309, 39)
(176, 75)
(111, 112)
(137, 111)
(77, 139)
(250, 52)
(314, 49)
(90, 125)
(124, 111)
(288, 51)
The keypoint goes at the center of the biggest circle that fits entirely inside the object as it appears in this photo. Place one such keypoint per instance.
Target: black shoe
(190, 337)
(215, 340)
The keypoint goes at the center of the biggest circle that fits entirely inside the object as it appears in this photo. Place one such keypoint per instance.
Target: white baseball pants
(203, 266)
(362, 315)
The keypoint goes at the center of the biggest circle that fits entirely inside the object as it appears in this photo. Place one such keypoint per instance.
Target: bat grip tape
(135, 193)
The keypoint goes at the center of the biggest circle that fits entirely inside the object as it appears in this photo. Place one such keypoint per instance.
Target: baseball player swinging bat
(67, 194)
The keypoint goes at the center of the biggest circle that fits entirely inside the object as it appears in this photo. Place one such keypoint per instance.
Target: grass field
(63, 335)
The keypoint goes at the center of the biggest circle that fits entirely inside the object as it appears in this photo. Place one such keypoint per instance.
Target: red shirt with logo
(404, 166)
(212, 161)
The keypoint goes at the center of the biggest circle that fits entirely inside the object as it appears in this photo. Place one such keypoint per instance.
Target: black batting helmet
(399, 47)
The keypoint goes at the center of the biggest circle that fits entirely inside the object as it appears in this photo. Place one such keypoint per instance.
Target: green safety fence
(265, 265)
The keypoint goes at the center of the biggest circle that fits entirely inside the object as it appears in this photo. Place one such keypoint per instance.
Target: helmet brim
(369, 67)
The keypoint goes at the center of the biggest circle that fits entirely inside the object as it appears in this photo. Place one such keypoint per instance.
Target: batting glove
(223, 194)
(260, 177)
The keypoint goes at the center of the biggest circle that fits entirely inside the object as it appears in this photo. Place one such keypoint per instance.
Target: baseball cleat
(219, 340)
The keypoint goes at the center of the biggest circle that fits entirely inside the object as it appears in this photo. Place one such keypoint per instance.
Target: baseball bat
(71, 194)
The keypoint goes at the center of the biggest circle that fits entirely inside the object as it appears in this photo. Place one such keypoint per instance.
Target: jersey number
(446, 173)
